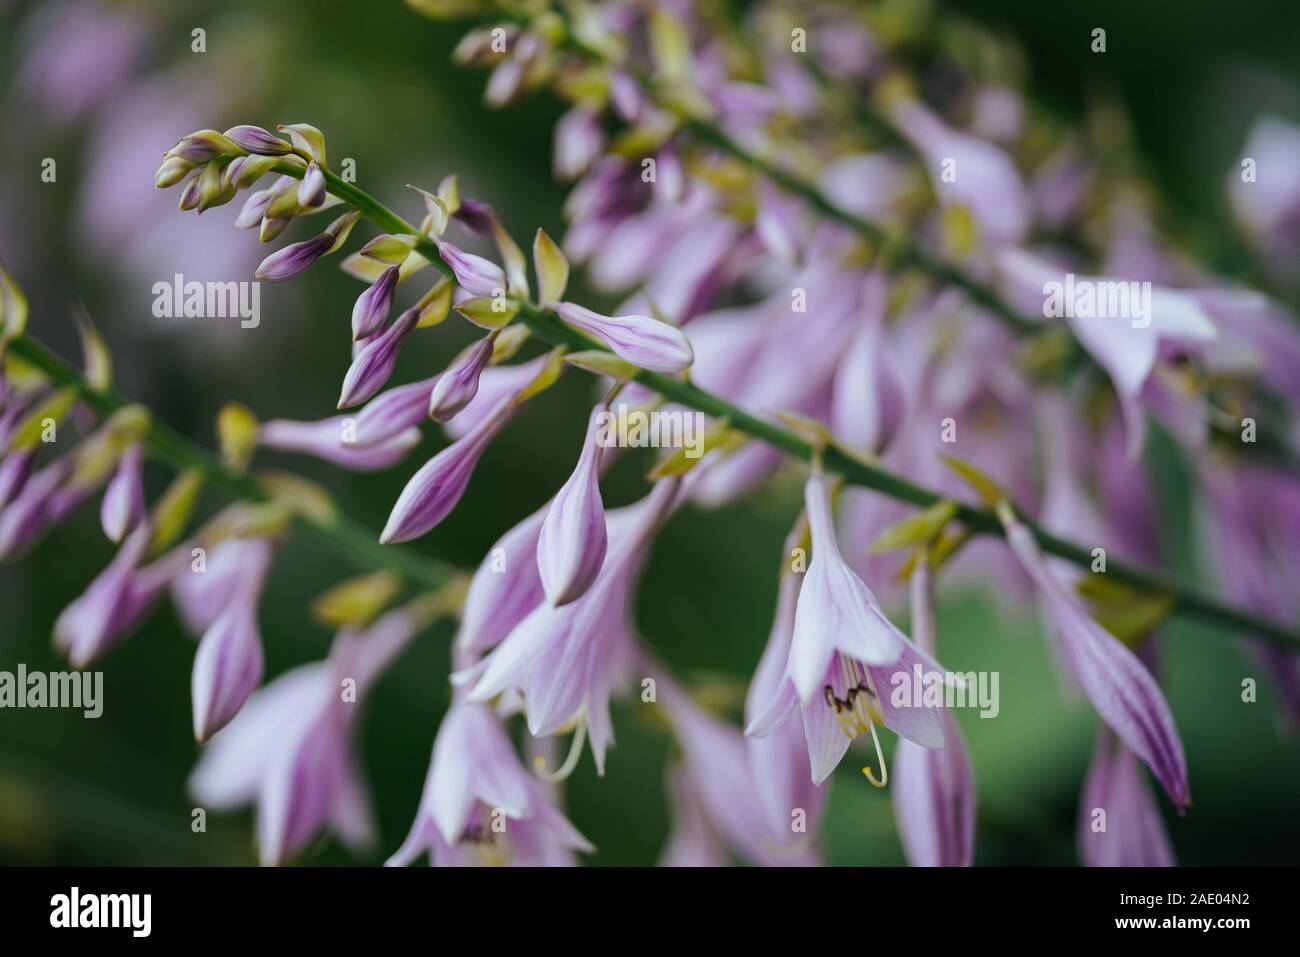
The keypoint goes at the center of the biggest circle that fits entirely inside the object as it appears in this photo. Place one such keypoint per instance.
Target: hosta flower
(289, 750)
(641, 340)
(1268, 204)
(505, 587)
(934, 788)
(457, 387)
(476, 275)
(692, 842)
(311, 191)
(1119, 823)
(341, 440)
(578, 141)
(436, 488)
(375, 360)
(481, 806)
(572, 544)
(567, 660)
(298, 257)
(393, 412)
(123, 506)
(1118, 684)
(371, 309)
(867, 402)
(229, 662)
(254, 139)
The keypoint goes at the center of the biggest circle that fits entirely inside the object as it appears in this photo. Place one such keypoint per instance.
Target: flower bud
(571, 548)
(203, 146)
(311, 191)
(171, 172)
(476, 275)
(371, 309)
(457, 387)
(641, 340)
(374, 363)
(254, 139)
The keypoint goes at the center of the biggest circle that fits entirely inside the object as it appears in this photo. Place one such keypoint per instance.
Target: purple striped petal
(573, 541)
(641, 340)
(476, 275)
(327, 439)
(393, 412)
(374, 363)
(372, 307)
(293, 259)
(457, 387)
(123, 506)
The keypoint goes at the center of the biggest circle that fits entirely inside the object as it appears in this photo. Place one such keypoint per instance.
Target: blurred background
(104, 88)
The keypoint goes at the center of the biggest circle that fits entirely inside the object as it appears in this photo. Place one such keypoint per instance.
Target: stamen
(570, 762)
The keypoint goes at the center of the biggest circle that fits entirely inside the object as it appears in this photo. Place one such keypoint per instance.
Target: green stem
(548, 327)
(352, 539)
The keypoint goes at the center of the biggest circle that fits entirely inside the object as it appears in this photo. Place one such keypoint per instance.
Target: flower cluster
(866, 290)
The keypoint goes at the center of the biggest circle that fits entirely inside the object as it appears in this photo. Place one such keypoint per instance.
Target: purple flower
(15, 470)
(229, 663)
(641, 340)
(289, 750)
(341, 440)
(867, 404)
(1120, 687)
(934, 788)
(123, 506)
(1119, 823)
(457, 387)
(371, 309)
(504, 589)
(567, 660)
(578, 141)
(295, 258)
(393, 412)
(693, 842)
(375, 361)
(481, 805)
(311, 191)
(1269, 204)
(433, 491)
(476, 275)
(777, 223)
(572, 544)
(254, 139)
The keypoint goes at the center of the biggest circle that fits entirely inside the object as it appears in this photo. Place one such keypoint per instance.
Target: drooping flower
(342, 440)
(573, 541)
(371, 309)
(122, 508)
(1120, 687)
(435, 489)
(1119, 823)
(504, 589)
(641, 340)
(867, 401)
(289, 750)
(375, 360)
(476, 275)
(229, 662)
(934, 788)
(481, 806)
(457, 387)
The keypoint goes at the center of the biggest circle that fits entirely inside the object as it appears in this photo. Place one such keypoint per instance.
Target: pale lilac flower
(504, 589)
(692, 842)
(311, 191)
(934, 788)
(254, 139)
(393, 412)
(376, 359)
(36, 507)
(293, 259)
(867, 400)
(289, 750)
(371, 309)
(457, 387)
(777, 223)
(1269, 205)
(229, 662)
(969, 173)
(1119, 823)
(1120, 687)
(123, 506)
(578, 141)
(573, 542)
(329, 439)
(435, 489)
(480, 803)
(641, 340)
(567, 660)
(201, 591)
(476, 275)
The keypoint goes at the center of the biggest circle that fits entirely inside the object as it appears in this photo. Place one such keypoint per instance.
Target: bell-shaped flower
(123, 506)
(567, 660)
(573, 542)
(289, 750)
(641, 340)
(969, 173)
(480, 805)
(371, 309)
(228, 664)
(934, 788)
(474, 274)
(342, 440)
(867, 401)
(504, 589)
(457, 387)
(1120, 687)
(1119, 823)
(375, 360)
(435, 489)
